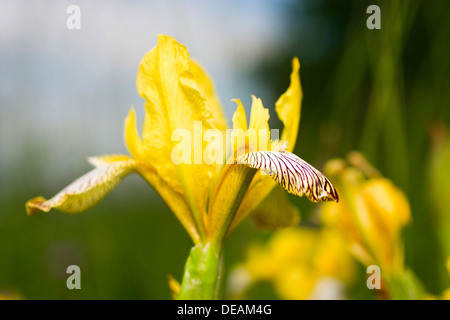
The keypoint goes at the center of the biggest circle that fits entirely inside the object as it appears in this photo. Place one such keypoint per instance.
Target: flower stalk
(201, 276)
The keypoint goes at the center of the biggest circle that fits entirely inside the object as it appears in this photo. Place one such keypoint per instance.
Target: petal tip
(295, 64)
(35, 205)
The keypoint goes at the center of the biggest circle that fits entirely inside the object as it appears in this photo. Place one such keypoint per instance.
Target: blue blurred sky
(64, 94)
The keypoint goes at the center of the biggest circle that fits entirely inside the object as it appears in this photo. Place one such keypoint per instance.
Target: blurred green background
(64, 95)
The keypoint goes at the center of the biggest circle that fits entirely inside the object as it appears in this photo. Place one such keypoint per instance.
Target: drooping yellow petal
(288, 107)
(206, 87)
(292, 173)
(89, 189)
(176, 118)
(275, 211)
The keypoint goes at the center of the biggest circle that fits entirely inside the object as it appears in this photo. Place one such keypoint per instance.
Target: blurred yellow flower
(371, 214)
(296, 261)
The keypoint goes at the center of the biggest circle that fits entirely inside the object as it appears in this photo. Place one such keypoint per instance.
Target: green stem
(201, 277)
(201, 274)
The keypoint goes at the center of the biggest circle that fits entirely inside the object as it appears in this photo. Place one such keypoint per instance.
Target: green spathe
(201, 274)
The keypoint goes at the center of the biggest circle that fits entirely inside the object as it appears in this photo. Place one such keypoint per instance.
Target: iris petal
(292, 173)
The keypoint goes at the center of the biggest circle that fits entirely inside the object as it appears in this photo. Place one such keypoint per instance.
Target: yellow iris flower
(209, 198)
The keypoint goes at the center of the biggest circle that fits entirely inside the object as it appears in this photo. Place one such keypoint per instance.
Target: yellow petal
(176, 200)
(131, 135)
(275, 211)
(254, 137)
(259, 124)
(388, 212)
(173, 193)
(174, 286)
(260, 188)
(239, 118)
(226, 196)
(206, 87)
(88, 190)
(238, 137)
(288, 107)
(174, 103)
(259, 116)
(390, 204)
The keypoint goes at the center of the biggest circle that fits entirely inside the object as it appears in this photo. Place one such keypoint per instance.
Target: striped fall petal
(293, 174)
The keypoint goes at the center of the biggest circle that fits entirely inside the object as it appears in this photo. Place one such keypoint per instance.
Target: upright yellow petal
(206, 87)
(259, 122)
(259, 116)
(239, 118)
(238, 137)
(255, 136)
(177, 115)
(131, 135)
(288, 107)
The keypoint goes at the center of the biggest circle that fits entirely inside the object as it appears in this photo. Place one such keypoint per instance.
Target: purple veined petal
(293, 174)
